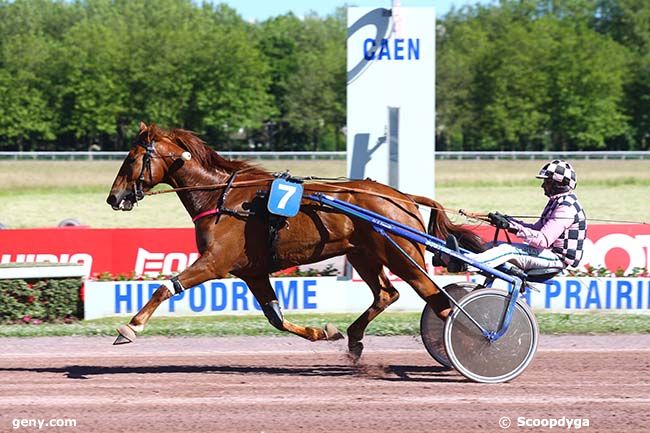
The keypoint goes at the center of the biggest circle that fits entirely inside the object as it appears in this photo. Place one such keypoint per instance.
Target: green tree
(528, 75)
(459, 44)
(155, 66)
(315, 99)
(231, 77)
(587, 78)
(520, 74)
(628, 23)
(92, 92)
(277, 41)
(25, 114)
(307, 65)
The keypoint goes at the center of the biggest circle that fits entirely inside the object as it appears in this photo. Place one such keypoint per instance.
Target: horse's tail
(441, 226)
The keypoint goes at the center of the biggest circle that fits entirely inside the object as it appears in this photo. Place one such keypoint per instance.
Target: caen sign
(391, 97)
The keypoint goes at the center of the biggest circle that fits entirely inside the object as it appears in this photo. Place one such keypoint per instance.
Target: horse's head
(153, 156)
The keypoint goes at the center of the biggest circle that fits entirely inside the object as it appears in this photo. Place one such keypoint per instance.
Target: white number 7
(288, 192)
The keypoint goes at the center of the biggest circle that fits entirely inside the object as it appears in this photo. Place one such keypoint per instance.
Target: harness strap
(221, 206)
(204, 214)
(226, 191)
(178, 287)
(146, 166)
(276, 223)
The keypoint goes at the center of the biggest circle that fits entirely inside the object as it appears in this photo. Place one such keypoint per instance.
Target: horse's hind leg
(419, 281)
(371, 270)
(263, 292)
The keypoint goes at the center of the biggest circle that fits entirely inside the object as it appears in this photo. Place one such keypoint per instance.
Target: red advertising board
(154, 251)
(118, 251)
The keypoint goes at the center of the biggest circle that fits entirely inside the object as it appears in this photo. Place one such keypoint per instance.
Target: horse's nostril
(112, 200)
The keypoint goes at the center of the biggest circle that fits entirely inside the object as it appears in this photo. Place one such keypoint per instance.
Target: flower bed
(34, 301)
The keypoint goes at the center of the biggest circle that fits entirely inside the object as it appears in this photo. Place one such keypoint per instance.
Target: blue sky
(262, 9)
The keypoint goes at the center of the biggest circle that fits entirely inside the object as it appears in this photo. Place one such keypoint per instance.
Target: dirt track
(289, 385)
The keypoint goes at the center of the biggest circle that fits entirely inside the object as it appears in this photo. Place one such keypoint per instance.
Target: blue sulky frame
(384, 226)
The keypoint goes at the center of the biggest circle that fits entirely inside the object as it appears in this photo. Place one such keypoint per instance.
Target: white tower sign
(391, 97)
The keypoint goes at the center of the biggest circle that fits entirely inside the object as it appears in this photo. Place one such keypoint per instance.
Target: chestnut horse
(244, 240)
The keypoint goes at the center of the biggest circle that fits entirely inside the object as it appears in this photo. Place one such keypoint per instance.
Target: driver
(556, 240)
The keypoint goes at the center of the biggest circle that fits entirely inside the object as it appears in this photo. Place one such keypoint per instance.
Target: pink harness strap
(205, 214)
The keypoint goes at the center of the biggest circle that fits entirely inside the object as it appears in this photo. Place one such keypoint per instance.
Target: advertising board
(167, 251)
(333, 295)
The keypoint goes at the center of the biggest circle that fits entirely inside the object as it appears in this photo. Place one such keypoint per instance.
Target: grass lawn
(42, 193)
(388, 323)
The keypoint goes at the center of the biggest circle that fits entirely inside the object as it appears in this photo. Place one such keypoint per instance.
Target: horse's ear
(143, 127)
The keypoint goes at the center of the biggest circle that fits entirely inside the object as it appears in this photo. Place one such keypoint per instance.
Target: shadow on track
(411, 373)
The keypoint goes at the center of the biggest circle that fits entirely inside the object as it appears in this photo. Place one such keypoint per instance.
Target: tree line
(520, 75)
(545, 75)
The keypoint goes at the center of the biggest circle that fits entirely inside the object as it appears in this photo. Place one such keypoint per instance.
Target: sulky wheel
(432, 328)
(473, 355)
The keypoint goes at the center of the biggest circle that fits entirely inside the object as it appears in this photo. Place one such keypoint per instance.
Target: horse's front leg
(200, 271)
(263, 292)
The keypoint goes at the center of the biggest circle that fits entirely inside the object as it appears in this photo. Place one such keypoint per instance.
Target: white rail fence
(605, 154)
(84, 156)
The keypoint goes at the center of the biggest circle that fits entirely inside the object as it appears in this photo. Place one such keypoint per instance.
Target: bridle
(150, 153)
(146, 166)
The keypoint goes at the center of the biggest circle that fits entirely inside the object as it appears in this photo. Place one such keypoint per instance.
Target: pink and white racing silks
(562, 228)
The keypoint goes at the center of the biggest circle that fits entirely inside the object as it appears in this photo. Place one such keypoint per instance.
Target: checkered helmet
(561, 172)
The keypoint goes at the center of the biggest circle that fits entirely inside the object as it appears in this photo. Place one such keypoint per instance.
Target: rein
(590, 219)
(213, 186)
(481, 217)
(484, 217)
(263, 181)
(150, 153)
(247, 183)
(313, 180)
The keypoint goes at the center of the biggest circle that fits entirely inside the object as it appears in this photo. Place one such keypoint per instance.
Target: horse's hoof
(354, 351)
(332, 333)
(126, 335)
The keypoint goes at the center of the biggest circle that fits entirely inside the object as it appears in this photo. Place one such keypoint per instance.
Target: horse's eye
(130, 160)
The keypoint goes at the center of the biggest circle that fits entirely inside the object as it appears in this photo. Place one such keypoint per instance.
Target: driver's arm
(560, 220)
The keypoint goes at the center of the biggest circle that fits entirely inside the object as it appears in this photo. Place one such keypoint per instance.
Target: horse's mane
(200, 151)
